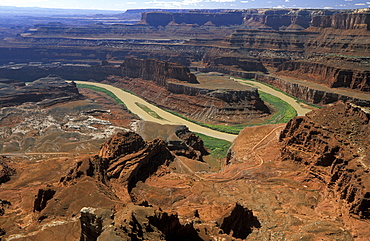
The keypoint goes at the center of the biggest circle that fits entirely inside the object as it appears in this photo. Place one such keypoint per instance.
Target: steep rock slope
(331, 76)
(333, 144)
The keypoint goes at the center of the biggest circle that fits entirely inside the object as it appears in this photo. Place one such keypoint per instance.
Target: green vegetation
(149, 111)
(277, 89)
(108, 93)
(105, 91)
(284, 114)
(285, 111)
(218, 150)
(217, 147)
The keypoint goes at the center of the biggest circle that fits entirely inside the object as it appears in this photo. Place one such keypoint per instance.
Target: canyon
(76, 164)
(309, 184)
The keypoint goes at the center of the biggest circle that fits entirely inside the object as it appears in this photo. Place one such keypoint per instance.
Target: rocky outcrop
(3, 205)
(139, 166)
(122, 143)
(277, 19)
(95, 223)
(156, 70)
(328, 75)
(69, 72)
(148, 223)
(6, 171)
(267, 39)
(179, 139)
(307, 93)
(51, 87)
(238, 221)
(42, 197)
(312, 40)
(333, 144)
(236, 63)
(126, 158)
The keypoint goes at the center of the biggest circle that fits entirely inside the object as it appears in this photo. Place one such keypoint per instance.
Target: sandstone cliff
(234, 62)
(333, 144)
(328, 75)
(126, 158)
(359, 19)
(156, 70)
(309, 94)
(179, 139)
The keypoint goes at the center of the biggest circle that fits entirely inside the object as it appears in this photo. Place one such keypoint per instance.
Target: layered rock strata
(284, 19)
(159, 71)
(333, 145)
(51, 87)
(328, 75)
(163, 19)
(179, 139)
(307, 93)
(126, 160)
(360, 19)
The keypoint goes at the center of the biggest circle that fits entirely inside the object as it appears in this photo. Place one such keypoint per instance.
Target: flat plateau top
(213, 80)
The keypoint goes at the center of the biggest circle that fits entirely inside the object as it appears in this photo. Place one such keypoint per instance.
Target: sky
(186, 4)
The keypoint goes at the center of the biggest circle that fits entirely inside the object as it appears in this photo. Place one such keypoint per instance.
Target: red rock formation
(126, 158)
(309, 94)
(278, 19)
(43, 196)
(236, 63)
(179, 139)
(326, 74)
(238, 221)
(6, 171)
(122, 143)
(333, 143)
(156, 70)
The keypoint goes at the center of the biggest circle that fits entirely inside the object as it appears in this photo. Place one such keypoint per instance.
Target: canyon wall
(306, 93)
(68, 72)
(156, 70)
(200, 18)
(357, 20)
(167, 81)
(327, 75)
(271, 19)
(278, 19)
(236, 63)
(333, 144)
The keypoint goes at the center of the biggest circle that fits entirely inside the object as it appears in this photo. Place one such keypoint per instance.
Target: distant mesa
(48, 90)
(264, 19)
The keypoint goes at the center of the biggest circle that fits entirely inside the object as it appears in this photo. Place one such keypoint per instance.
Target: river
(130, 101)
